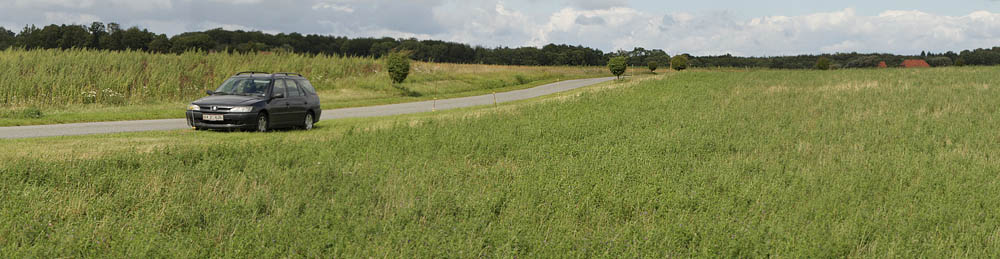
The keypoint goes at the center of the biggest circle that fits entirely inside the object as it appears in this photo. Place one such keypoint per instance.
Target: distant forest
(113, 37)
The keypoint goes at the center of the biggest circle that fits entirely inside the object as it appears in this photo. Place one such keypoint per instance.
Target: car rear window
(293, 89)
(306, 86)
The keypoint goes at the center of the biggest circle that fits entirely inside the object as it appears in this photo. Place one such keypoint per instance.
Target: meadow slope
(731, 163)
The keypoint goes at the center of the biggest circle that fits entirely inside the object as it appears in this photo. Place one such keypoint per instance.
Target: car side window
(279, 87)
(306, 86)
(293, 89)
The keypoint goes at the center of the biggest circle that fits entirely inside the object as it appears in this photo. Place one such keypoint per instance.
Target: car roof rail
(251, 72)
(288, 74)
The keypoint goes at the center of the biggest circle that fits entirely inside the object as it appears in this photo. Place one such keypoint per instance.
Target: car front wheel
(262, 122)
(308, 123)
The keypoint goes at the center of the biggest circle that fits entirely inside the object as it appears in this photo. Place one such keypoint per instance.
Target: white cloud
(898, 31)
(208, 25)
(335, 7)
(491, 26)
(237, 1)
(69, 18)
(53, 3)
(597, 4)
(145, 5)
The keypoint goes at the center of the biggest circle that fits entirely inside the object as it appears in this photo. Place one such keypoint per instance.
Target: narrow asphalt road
(357, 112)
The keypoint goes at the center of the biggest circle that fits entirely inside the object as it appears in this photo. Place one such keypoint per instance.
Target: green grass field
(713, 163)
(57, 86)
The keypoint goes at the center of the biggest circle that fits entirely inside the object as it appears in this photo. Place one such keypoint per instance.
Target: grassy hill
(734, 163)
(57, 86)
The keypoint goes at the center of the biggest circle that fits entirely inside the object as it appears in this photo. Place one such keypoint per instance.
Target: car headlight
(242, 109)
(193, 107)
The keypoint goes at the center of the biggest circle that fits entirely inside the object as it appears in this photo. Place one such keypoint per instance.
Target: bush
(939, 61)
(521, 80)
(823, 63)
(398, 64)
(679, 62)
(617, 66)
(22, 113)
(652, 66)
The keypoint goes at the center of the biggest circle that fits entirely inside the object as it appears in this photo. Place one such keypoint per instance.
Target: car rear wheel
(262, 122)
(308, 123)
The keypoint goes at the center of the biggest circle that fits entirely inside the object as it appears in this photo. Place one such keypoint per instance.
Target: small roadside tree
(823, 63)
(652, 66)
(398, 64)
(617, 66)
(679, 62)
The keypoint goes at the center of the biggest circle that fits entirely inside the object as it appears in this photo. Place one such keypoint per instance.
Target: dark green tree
(382, 48)
(160, 44)
(29, 38)
(939, 61)
(6, 38)
(191, 41)
(50, 36)
(652, 66)
(97, 31)
(398, 64)
(113, 39)
(136, 39)
(679, 62)
(823, 63)
(617, 65)
(74, 36)
(251, 47)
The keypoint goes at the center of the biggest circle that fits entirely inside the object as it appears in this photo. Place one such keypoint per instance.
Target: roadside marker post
(494, 99)
(435, 105)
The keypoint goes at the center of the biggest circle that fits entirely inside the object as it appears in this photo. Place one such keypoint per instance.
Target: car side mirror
(278, 95)
(209, 92)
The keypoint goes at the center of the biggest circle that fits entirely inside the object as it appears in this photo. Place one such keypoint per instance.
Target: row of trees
(985, 57)
(113, 37)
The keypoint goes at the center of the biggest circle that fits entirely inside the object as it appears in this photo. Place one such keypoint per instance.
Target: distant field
(734, 163)
(55, 86)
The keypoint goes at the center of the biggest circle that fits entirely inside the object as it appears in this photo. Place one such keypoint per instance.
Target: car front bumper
(230, 120)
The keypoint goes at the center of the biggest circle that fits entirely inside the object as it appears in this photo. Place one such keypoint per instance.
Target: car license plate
(211, 117)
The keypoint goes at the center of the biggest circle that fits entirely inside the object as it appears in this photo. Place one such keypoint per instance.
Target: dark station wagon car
(257, 101)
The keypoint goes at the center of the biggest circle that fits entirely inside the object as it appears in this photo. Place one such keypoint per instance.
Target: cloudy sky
(739, 27)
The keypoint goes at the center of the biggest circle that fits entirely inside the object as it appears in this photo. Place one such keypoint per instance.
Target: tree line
(987, 57)
(113, 36)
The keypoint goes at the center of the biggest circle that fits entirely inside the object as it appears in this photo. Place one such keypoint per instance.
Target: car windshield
(244, 86)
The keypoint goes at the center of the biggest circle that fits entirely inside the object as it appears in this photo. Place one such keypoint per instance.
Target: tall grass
(50, 78)
(43, 77)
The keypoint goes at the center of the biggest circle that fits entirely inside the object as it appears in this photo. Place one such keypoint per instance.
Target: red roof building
(882, 64)
(909, 63)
